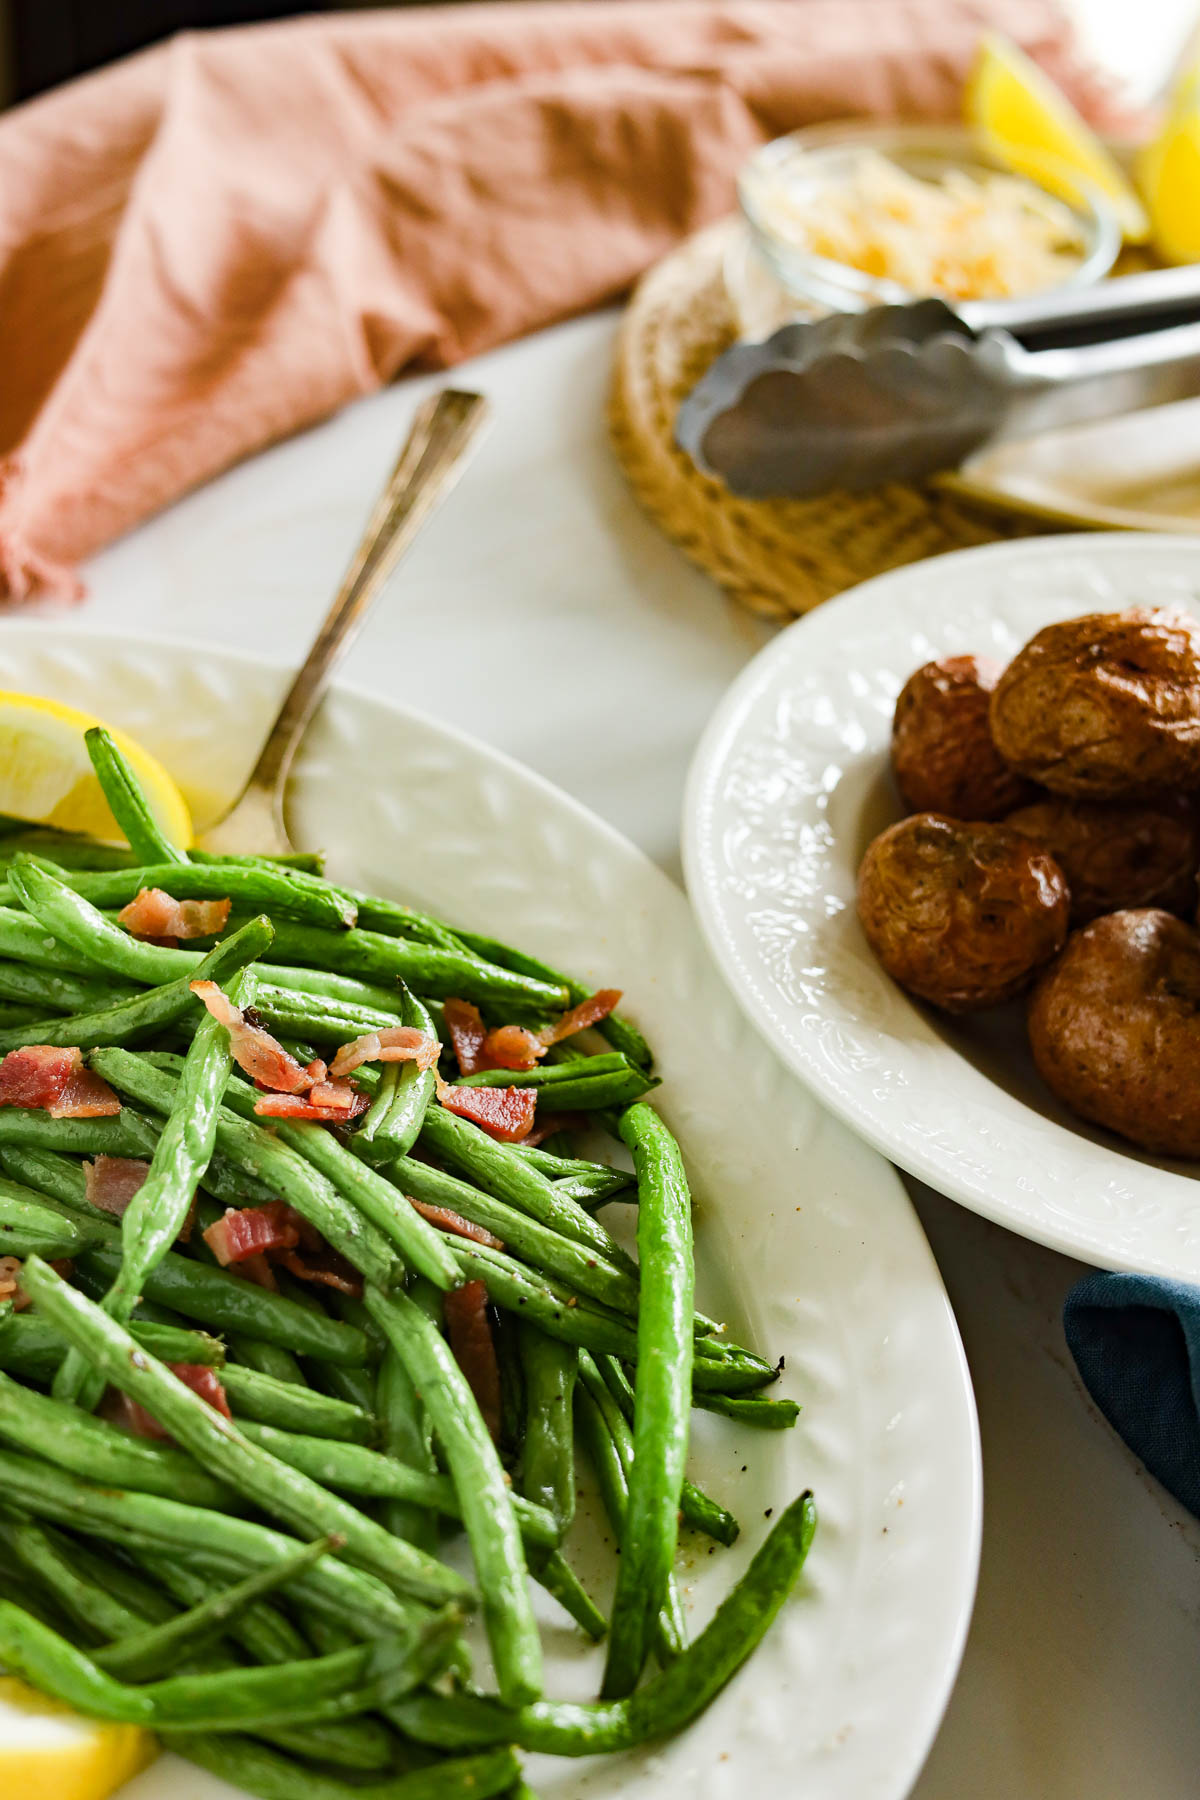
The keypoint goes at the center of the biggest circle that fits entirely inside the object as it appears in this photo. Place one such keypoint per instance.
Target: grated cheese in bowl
(962, 234)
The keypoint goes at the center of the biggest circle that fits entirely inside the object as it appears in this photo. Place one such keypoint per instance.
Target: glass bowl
(813, 160)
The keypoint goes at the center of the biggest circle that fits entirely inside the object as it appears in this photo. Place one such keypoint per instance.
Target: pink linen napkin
(225, 238)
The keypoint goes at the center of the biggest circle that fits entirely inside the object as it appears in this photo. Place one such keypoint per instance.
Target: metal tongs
(898, 392)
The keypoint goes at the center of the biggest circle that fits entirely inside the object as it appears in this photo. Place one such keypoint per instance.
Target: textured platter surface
(789, 785)
(805, 1237)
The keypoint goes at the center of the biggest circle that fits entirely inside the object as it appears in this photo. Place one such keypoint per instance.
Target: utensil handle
(1130, 301)
(1102, 380)
(431, 461)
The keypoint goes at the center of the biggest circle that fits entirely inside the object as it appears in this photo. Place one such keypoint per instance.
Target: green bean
(696, 1507)
(308, 862)
(268, 1636)
(591, 1183)
(481, 1486)
(146, 1653)
(292, 1407)
(149, 1011)
(752, 1409)
(587, 1093)
(44, 1556)
(663, 1396)
(127, 802)
(75, 1440)
(371, 956)
(253, 887)
(13, 1014)
(33, 1349)
(147, 1603)
(159, 1209)
(76, 923)
(68, 849)
(357, 1186)
(147, 1521)
(620, 1032)
(665, 1704)
(548, 1453)
(48, 990)
(120, 1134)
(337, 1686)
(553, 1572)
(223, 1450)
(260, 1154)
(247, 1766)
(29, 1228)
(24, 939)
(471, 1153)
(584, 1270)
(550, 1074)
(342, 991)
(392, 1122)
(230, 1303)
(266, 1359)
(406, 1437)
(327, 1023)
(609, 1444)
(356, 1470)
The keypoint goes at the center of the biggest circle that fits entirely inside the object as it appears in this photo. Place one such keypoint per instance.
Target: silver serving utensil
(430, 463)
(896, 393)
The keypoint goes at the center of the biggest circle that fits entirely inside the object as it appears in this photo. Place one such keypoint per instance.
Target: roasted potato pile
(1061, 793)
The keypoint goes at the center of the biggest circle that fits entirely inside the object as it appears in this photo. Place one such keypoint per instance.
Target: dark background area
(51, 40)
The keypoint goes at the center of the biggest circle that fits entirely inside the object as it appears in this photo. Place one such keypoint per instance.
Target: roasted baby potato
(1106, 707)
(943, 756)
(961, 914)
(1115, 855)
(1114, 1025)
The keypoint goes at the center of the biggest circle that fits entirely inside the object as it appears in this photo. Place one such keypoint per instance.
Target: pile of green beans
(262, 1582)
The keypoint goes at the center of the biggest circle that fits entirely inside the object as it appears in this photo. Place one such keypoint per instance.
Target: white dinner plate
(788, 787)
(806, 1240)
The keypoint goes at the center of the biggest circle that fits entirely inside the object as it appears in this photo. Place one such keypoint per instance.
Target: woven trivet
(779, 557)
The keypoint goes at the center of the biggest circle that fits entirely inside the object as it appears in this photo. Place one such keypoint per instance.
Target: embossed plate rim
(847, 1692)
(905, 1091)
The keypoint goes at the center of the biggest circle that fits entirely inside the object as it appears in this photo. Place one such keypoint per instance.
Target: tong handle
(1127, 304)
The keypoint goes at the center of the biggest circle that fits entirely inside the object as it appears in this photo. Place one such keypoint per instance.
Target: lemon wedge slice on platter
(1028, 123)
(50, 1753)
(47, 778)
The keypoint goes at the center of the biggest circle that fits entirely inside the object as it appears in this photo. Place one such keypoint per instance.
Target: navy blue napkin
(1136, 1341)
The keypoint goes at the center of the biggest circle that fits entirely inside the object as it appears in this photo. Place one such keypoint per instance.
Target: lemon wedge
(1028, 123)
(50, 1753)
(1168, 172)
(47, 777)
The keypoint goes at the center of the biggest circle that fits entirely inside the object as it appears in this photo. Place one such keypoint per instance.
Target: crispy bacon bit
(331, 1270)
(112, 1181)
(396, 1043)
(504, 1113)
(474, 1348)
(445, 1220)
(54, 1080)
(258, 1270)
(254, 1050)
(10, 1283)
(327, 1102)
(515, 1046)
(248, 1231)
(155, 914)
(464, 1022)
(134, 1417)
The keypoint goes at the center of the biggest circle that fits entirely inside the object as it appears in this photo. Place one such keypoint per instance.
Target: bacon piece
(258, 1270)
(464, 1022)
(332, 1270)
(10, 1283)
(445, 1220)
(247, 1231)
(327, 1102)
(54, 1080)
(155, 914)
(112, 1181)
(254, 1050)
(396, 1043)
(589, 1012)
(512, 1047)
(134, 1417)
(504, 1113)
(474, 1348)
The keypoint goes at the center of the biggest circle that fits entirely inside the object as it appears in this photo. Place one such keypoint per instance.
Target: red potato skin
(962, 915)
(1119, 856)
(1114, 1026)
(1104, 707)
(943, 757)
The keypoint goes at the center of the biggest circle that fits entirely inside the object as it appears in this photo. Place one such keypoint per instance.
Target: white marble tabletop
(543, 612)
